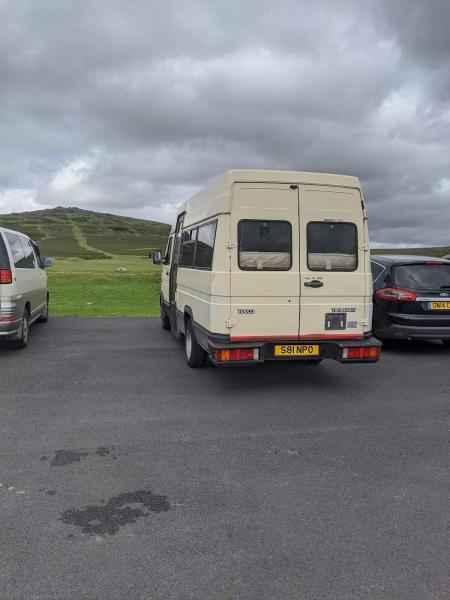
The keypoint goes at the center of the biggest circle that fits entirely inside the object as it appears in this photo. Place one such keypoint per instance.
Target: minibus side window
(188, 239)
(264, 245)
(332, 246)
(205, 246)
(168, 251)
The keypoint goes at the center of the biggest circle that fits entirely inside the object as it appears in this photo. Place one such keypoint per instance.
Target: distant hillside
(65, 232)
(437, 251)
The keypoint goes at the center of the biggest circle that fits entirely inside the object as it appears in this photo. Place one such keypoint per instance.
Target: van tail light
(236, 354)
(5, 276)
(395, 294)
(363, 352)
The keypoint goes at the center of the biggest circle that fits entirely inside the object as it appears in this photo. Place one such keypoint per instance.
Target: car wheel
(24, 334)
(44, 316)
(195, 355)
(446, 343)
(165, 321)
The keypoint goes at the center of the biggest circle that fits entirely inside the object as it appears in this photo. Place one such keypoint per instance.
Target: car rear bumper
(328, 348)
(398, 332)
(9, 328)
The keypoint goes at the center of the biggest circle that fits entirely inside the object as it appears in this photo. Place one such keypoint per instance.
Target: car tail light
(235, 354)
(362, 352)
(395, 294)
(5, 276)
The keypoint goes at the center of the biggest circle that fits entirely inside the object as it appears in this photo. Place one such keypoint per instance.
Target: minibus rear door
(264, 262)
(334, 281)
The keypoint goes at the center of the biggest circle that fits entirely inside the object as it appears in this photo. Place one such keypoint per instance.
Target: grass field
(88, 248)
(94, 288)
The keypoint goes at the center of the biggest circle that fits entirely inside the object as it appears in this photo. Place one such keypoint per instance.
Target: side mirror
(48, 261)
(157, 259)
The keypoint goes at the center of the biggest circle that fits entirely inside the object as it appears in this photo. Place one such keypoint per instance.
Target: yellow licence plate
(439, 305)
(291, 350)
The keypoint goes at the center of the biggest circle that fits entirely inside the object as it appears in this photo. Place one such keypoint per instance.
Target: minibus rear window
(265, 245)
(332, 246)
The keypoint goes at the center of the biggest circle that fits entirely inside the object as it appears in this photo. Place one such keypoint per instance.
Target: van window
(264, 245)
(21, 251)
(29, 260)
(205, 246)
(168, 251)
(189, 239)
(422, 277)
(376, 270)
(332, 246)
(4, 259)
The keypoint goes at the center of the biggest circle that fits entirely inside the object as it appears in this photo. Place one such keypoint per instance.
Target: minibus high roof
(213, 199)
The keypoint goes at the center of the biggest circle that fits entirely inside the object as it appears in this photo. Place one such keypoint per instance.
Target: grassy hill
(72, 232)
(437, 251)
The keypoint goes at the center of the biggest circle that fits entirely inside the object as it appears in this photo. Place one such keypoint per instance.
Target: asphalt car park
(127, 475)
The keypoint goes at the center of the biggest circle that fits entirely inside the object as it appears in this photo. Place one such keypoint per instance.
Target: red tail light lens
(395, 294)
(361, 353)
(5, 276)
(237, 354)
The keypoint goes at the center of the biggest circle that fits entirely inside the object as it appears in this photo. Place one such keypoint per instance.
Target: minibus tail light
(236, 354)
(5, 276)
(361, 353)
(395, 294)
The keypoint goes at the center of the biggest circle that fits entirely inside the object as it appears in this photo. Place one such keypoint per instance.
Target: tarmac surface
(125, 475)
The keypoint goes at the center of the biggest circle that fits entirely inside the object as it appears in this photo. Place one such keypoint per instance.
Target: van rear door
(264, 262)
(333, 277)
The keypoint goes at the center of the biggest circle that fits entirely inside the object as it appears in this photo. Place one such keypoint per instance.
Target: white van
(271, 265)
(23, 286)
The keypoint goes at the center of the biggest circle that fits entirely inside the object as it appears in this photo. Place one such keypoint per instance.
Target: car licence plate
(292, 350)
(438, 305)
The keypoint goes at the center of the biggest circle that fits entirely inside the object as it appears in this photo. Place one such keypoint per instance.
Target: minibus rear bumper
(335, 349)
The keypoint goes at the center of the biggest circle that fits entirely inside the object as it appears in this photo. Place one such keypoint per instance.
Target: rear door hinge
(364, 247)
(230, 244)
(230, 323)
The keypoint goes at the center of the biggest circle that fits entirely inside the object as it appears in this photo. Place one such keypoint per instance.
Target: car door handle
(315, 283)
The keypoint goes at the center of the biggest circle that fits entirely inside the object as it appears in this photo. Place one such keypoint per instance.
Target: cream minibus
(270, 265)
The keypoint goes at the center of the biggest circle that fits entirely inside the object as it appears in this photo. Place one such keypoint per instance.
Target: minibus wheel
(165, 321)
(195, 355)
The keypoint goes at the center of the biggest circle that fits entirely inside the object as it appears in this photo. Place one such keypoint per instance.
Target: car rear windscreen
(424, 277)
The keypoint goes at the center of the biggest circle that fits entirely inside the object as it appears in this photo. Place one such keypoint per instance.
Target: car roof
(392, 259)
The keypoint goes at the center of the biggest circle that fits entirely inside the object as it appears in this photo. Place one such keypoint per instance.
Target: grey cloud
(167, 96)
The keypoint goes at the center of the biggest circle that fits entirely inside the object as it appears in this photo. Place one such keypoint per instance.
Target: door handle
(315, 283)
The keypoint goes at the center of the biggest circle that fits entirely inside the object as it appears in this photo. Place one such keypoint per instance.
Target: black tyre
(44, 317)
(446, 343)
(165, 321)
(24, 334)
(195, 355)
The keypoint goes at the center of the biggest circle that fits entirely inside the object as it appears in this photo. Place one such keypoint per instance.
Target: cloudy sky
(129, 107)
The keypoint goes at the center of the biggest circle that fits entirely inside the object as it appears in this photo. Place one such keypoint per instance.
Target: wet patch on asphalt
(63, 458)
(120, 510)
